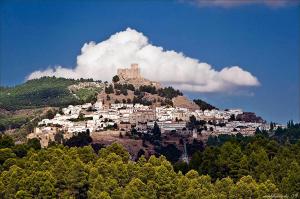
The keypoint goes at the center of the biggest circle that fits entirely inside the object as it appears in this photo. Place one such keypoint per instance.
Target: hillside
(144, 94)
(61, 92)
(204, 105)
(149, 95)
(46, 91)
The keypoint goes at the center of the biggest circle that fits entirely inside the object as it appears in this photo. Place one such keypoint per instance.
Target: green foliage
(148, 89)
(5, 154)
(46, 91)
(291, 134)
(115, 78)
(171, 152)
(140, 100)
(109, 89)
(124, 87)
(62, 172)
(261, 157)
(20, 150)
(237, 167)
(168, 92)
(34, 143)
(156, 133)
(12, 122)
(6, 141)
(87, 95)
(204, 105)
(82, 139)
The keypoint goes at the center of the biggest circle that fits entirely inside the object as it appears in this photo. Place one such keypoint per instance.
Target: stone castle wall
(130, 73)
(133, 76)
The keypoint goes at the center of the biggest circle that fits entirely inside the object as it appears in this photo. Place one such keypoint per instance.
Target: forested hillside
(204, 105)
(61, 172)
(227, 167)
(273, 156)
(46, 91)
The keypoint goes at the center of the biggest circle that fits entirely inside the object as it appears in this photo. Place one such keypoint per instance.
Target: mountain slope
(46, 91)
(204, 105)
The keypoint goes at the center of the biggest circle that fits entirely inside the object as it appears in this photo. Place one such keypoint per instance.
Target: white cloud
(235, 3)
(101, 60)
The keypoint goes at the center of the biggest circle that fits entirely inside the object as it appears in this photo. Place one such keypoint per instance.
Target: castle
(133, 76)
(129, 73)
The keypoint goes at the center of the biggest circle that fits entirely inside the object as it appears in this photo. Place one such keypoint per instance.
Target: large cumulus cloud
(101, 60)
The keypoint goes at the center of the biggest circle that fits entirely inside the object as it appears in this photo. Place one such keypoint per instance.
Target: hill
(46, 91)
(60, 92)
(144, 94)
(204, 105)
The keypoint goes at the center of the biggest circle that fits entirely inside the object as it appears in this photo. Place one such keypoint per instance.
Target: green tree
(34, 143)
(115, 79)
(136, 189)
(23, 195)
(195, 161)
(156, 132)
(6, 141)
(5, 154)
(117, 149)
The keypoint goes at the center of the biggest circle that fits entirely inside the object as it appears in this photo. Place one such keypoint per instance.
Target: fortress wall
(133, 75)
(130, 73)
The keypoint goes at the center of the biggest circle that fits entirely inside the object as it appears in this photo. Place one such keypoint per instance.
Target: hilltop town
(183, 99)
(132, 106)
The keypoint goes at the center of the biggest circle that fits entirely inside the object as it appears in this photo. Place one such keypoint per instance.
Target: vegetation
(171, 152)
(46, 91)
(109, 89)
(261, 156)
(228, 167)
(289, 135)
(167, 102)
(115, 78)
(82, 139)
(123, 87)
(168, 92)
(63, 172)
(88, 94)
(12, 122)
(148, 89)
(165, 93)
(204, 105)
(140, 100)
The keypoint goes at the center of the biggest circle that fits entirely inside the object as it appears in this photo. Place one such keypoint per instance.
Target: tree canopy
(62, 172)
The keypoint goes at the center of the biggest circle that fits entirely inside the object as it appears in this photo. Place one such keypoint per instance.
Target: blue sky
(262, 39)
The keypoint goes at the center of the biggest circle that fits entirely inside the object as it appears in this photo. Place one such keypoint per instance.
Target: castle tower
(130, 73)
(135, 71)
(133, 76)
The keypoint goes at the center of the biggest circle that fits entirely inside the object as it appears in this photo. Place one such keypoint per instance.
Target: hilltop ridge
(127, 86)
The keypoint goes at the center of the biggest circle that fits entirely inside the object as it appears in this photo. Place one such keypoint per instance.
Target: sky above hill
(233, 54)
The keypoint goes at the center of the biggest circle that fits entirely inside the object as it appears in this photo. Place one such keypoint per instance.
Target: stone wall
(133, 76)
(130, 73)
